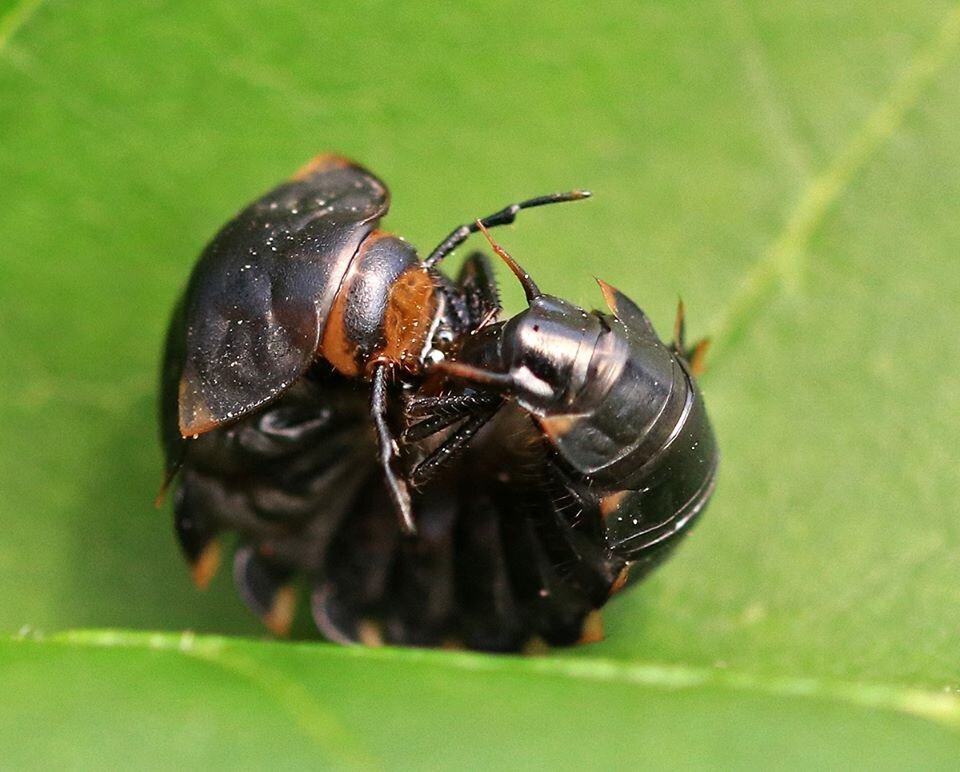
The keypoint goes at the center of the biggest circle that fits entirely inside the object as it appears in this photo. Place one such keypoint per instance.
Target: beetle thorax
(409, 319)
(384, 309)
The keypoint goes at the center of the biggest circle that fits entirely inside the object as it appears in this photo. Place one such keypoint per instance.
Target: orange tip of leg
(205, 567)
(279, 620)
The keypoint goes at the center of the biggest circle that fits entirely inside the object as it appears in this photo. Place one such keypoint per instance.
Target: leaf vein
(941, 707)
(784, 258)
(775, 113)
(14, 20)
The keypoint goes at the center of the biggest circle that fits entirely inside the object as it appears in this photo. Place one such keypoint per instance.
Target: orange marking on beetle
(609, 296)
(205, 567)
(370, 633)
(410, 310)
(321, 163)
(556, 426)
(611, 502)
(280, 617)
(195, 414)
(335, 346)
(698, 357)
(621, 581)
(592, 630)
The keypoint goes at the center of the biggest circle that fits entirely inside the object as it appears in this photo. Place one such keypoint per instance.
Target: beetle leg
(448, 404)
(504, 217)
(453, 369)
(554, 606)
(451, 447)
(478, 286)
(455, 301)
(419, 599)
(197, 535)
(444, 411)
(473, 299)
(265, 589)
(390, 451)
(489, 613)
(358, 569)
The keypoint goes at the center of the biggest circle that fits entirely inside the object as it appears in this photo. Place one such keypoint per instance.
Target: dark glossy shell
(251, 318)
(496, 561)
(621, 415)
(563, 497)
(655, 476)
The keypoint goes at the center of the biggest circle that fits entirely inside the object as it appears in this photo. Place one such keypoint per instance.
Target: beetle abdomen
(498, 559)
(668, 491)
(636, 437)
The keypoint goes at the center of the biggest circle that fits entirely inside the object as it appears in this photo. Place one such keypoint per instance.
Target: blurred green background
(791, 169)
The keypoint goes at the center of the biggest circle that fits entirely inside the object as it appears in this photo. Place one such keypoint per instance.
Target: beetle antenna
(504, 217)
(529, 285)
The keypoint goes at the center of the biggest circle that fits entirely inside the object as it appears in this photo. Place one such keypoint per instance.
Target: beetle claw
(592, 630)
(204, 568)
(265, 589)
(333, 619)
(197, 537)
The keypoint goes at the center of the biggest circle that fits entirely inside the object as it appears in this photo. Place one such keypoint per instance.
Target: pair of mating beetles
(438, 474)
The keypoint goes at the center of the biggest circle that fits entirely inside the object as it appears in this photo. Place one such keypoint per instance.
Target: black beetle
(624, 424)
(316, 370)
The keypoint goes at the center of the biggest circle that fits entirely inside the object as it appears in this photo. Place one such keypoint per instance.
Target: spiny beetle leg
(389, 451)
(479, 288)
(452, 447)
(337, 621)
(444, 411)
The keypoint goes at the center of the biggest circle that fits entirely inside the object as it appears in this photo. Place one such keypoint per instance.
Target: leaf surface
(788, 168)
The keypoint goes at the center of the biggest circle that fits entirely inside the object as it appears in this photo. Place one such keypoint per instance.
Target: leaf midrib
(940, 707)
(783, 260)
(14, 19)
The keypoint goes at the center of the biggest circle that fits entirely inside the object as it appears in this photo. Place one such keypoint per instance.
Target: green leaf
(789, 168)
